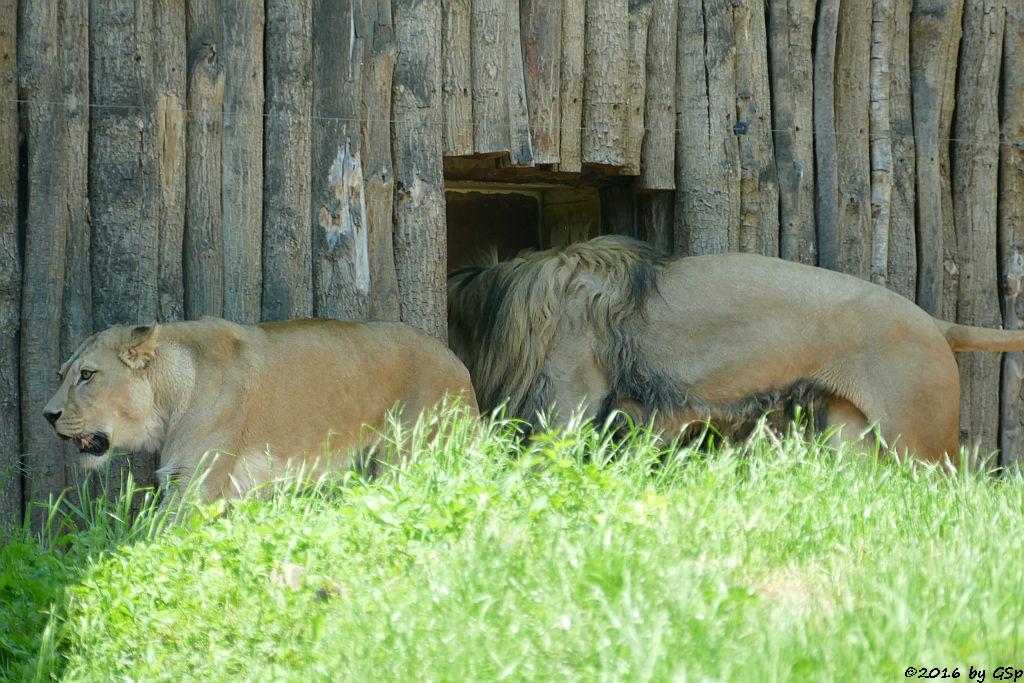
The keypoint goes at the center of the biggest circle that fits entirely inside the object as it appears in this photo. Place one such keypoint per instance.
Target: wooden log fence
(260, 161)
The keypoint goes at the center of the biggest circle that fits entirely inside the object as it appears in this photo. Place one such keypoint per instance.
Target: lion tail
(969, 338)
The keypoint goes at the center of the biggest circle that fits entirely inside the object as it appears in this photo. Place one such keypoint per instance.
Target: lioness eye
(86, 375)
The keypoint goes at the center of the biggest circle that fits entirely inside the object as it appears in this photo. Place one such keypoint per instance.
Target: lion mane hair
(505, 316)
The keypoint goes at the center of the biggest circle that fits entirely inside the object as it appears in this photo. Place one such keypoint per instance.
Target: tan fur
(262, 399)
(613, 324)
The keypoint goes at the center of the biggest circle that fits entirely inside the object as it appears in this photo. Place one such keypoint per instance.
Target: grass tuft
(570, 557)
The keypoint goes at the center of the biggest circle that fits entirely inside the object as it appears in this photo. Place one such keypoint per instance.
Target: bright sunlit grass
(568, 559)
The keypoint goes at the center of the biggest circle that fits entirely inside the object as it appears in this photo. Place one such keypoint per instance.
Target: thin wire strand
(458, 124)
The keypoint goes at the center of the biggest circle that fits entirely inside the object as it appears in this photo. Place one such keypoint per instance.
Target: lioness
(258, 399)
(613, 324)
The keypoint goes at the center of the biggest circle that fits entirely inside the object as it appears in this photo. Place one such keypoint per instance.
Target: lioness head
(106, 397)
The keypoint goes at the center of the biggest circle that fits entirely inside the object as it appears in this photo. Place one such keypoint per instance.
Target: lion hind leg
(845, 423)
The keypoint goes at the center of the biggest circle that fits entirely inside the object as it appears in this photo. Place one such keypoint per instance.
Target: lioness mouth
(96, 444)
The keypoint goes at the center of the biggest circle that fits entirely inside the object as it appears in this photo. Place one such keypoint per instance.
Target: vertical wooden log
(1011, 439)
(169, 140)
(882, 25)
(520, 144)
(1011, 231)
(378, 171)
(975, 202)
(457, 78)
(707, 164)
(657, 156)
(826, 155)
(571, 88)
(10, 277)
(243, 158)
(639, 19)
(790, 33)
(542, 56)
(52, 61)
(420, 231)
(203, 267)
(606, 70)
(759, 189)
(341, 258)
(489, 53)
(124, 256)
(852, 104)
(901, 273)
(287, 226)
(934, 41)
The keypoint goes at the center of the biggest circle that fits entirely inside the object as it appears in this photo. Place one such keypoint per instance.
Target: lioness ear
(142, 347)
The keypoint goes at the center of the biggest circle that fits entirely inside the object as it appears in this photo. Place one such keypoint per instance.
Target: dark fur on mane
(502, 315)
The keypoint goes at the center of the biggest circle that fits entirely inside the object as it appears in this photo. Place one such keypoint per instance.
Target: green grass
(565, 561)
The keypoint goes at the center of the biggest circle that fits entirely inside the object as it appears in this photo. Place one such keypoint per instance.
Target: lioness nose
(51, 416)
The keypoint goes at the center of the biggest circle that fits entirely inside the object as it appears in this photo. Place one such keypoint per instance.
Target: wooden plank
(10, 277)
(852, 102)
(169, 69)
(489, 53)
(341, 270)
(123, 164)
(759, 188)
(287, 223)
(901, 273)
(639, 20)
(420, 231)
(570, 92)
(1011, 232)
(457, 78)
(542, 56)
(204, 237)
(975, 200)
(883, 19)
(520, 144)
(378, 170)
(606, 71)
(657, 156)
(243, 158)
(790, 37)
(707, 175)
(826, 156)
(52, 60)
(934, 41)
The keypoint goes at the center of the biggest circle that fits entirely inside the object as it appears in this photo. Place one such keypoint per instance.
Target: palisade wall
(166, 159)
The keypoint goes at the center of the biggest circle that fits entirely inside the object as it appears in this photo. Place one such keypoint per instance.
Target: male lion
(258, 399)
(614, 324)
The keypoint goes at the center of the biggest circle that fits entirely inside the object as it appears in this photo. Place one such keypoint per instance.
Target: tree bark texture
(542, 55)
(790, 36)
(606, 74)
(571, 88)
(287, 226)
(1011, 232)
(657, 156)
(707, 213)
(420, 237)
(457, 77)
(10, 276)
(53, 59)
(934, 40)
(975, 201)
(759, 189)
